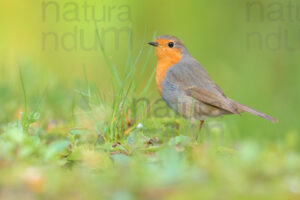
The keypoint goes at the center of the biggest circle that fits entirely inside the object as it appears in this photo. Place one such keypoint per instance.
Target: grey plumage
(189, 90)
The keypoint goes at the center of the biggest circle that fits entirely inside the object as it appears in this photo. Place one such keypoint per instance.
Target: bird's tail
(243, 108)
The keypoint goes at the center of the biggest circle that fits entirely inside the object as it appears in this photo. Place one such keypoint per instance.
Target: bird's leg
(201, 124)
(200, 127)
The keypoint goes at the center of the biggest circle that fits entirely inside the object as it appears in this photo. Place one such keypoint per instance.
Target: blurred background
(249, 48)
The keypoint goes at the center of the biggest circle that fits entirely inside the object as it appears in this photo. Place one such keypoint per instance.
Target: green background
(249, 48)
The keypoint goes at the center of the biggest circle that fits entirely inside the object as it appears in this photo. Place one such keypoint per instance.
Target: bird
(186, 87)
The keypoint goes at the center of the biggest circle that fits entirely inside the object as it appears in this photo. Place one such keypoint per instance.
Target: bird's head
(168, 47)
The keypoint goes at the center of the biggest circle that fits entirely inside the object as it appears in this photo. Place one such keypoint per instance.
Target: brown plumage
(187, 88)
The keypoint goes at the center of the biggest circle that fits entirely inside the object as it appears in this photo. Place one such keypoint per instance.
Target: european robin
(187, 88)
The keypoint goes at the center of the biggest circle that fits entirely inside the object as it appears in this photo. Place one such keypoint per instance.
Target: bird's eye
(171, 44)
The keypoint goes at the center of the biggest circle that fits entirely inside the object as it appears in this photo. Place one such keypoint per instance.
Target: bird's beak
(155, 44)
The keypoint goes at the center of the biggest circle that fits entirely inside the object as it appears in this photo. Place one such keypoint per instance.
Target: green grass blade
(109, 63)
(24, 92)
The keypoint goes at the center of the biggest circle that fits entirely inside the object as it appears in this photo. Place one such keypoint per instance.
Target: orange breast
(164, 62)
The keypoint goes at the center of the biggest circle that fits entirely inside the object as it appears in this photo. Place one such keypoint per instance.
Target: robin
(187, 88)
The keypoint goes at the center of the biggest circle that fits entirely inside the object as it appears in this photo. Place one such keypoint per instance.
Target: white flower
(140, 125)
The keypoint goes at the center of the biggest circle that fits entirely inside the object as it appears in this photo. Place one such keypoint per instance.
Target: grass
(107, 147)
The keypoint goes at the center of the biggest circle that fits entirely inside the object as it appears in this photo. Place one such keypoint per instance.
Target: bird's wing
(211, 98)
(192, 78)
